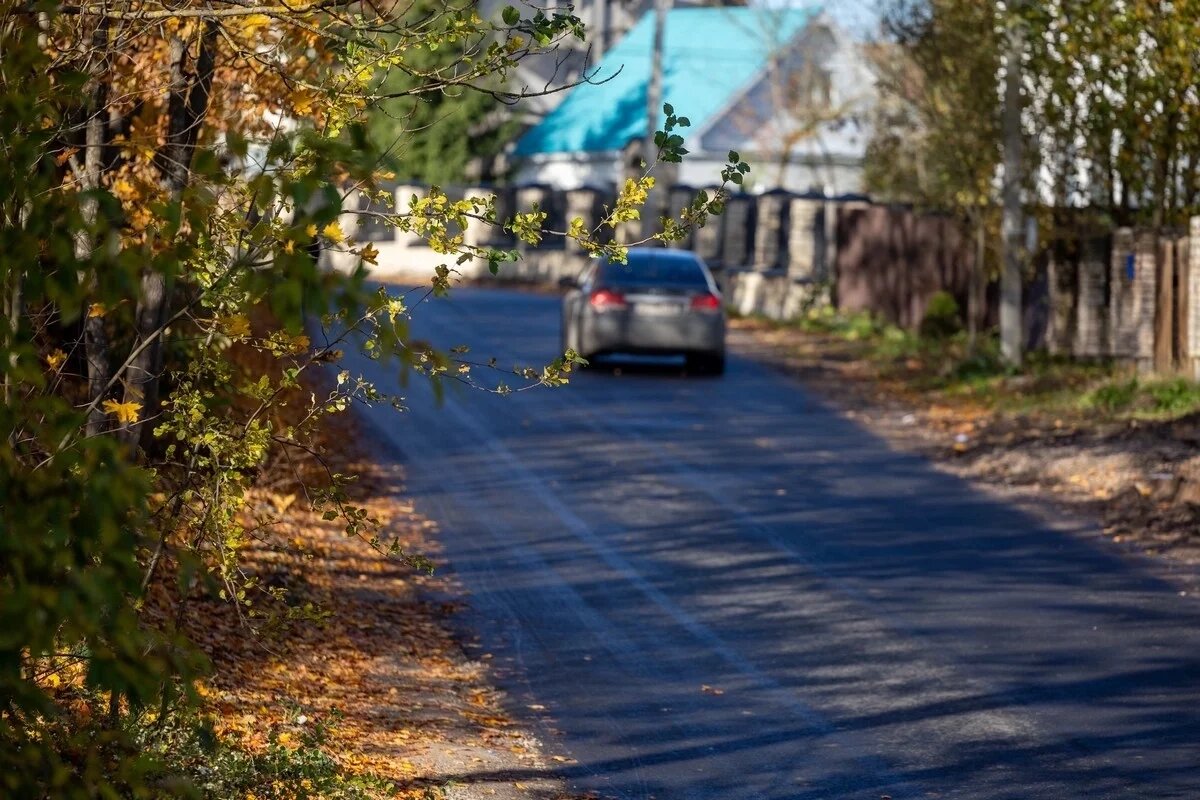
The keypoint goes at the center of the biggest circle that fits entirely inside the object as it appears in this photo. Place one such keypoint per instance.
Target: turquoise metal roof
(709, 56)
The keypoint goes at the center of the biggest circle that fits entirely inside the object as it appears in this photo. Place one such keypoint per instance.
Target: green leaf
(668, 109)
(510, 15)
(236, 143)
(734, 157)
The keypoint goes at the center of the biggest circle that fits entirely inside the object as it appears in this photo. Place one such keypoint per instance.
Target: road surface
(720, 588)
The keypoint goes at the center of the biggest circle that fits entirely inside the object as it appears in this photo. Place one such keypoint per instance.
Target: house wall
(606, 170)
(569, 171)
(802, 175)
(831, 157)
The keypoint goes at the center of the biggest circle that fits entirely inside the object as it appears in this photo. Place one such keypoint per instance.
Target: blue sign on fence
(1130, 261)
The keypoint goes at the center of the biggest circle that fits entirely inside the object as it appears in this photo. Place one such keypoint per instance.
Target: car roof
(660, 255)
(663, 253)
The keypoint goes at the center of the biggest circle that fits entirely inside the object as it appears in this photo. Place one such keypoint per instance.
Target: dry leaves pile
(382, 660)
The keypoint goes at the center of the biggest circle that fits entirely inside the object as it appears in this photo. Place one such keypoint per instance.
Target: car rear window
(649, 269)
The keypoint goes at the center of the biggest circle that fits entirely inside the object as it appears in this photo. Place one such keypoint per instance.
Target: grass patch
(1162, 398)
(1111, 397)
(944, 368)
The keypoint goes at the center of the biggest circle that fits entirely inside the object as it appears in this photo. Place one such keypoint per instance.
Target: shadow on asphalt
(718, 589)
(644, 367)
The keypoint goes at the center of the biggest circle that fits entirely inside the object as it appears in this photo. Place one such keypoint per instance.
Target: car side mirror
(568, 282)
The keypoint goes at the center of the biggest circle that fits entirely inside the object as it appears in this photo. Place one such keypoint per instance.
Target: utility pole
(1012, 229)
(654, 103)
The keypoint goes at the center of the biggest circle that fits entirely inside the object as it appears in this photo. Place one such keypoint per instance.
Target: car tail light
(604, 299)
(706, 302)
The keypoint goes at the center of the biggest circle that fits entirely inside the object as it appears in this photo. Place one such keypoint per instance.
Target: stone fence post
(1132, 278)
(478, 232)
(1091, 328)
(736, 227)
(586, 204)
(504, 202)
(679, 198)
(804, 225)
(1145, 281)
(770, 229)
(706, 241)
(404, 195)
(527, 197)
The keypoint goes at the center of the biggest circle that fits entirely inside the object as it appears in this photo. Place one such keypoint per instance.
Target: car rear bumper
(626, 331)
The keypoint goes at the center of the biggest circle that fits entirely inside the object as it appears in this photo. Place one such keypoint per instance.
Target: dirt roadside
(1140, 479)
(413, 702)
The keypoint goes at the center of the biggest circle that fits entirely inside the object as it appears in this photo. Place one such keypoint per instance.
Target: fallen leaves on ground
(385, 661)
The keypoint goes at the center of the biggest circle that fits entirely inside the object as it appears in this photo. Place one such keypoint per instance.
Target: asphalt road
(720, 588)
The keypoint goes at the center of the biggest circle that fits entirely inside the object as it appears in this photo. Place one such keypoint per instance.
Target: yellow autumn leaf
(124, 412)
(236, 325)
(124, 189)
(254, 22)
(333, 232)
(303, 101)
(56, 359)
(141, 217)
(299, 343)
(370, 254)
(97, 310)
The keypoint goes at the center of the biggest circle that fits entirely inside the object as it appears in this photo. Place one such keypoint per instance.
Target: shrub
(1175, 396)
(941, 320)
(985, 363)
(1113, 396)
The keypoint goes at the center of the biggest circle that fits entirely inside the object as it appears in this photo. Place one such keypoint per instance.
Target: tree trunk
(96, 346)
(186, 109)
(976, 282)
(1013, 227)
(1164, 333)
(12, 311)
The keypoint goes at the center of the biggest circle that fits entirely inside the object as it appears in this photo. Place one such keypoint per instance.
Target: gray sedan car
(661, 302)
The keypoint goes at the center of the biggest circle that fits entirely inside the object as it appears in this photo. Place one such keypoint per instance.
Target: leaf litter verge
(386, 660)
